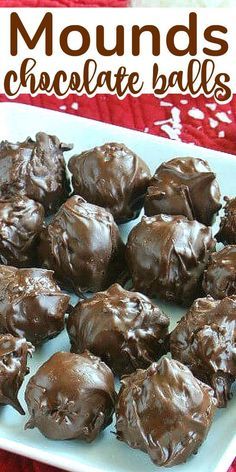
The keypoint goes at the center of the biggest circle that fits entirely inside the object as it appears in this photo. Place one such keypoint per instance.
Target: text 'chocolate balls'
(83, 246)
(205, 341)
(164, 411)
(31, 304)
(124, 328)
(21, 221)
(13, 368)
(184, 186)
(227, 231)
(167, 255)
(220, 276)
(71, 396)
(111, 176)
(35, 169)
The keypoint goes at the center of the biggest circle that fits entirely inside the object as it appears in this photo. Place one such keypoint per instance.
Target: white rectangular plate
(107, 454)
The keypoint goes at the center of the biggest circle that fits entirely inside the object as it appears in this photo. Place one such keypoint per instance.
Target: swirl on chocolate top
(31, 304)
(13, 368)
(35, 169)
(227, 231)
(83, 246)
(165, 412)
(113, 177)
(220, 276)
(167, 255)
(21, 221)
(184, 186)
(125, 329)
(205, 341)
(71, 396)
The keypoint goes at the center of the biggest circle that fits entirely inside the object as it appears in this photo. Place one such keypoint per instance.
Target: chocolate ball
(21, 221)
(184, 186)
(35, 169)
(167, 255)
(164, 411)
(227, 231)
(71, 396)
(113, 177)
(204, 340)
(31, 304)
(13, 368)
(83, 246)
(125, 329)
(220, 276)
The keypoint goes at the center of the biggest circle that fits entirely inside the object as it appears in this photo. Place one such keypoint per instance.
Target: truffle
(220, 277)
(21, 221)
(83, 246)
(113, 177)
(13, 368)
(164, 411)
(125, 329)
(184, 186)
(35, 169)
(204, 340)
(167, 255)
(71, 396)
(227, 231)
(31, 304)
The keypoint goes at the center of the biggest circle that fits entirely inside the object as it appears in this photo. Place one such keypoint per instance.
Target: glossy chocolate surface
(83, 246)
(21, 221)
(167, 255)
(205, 341)
(13, 368)
(220, 277)
(184, 186)
(113, 177)
(71, 396)
(31, 304)
(125, 329)
(165, 412)
(227, 231)
(35, 169)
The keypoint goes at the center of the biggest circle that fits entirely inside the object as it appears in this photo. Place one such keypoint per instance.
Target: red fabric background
(201, 126)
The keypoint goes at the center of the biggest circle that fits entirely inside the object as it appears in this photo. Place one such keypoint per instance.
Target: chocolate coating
(21, 221)
(35, 169)
(125, 329)
(113, 177)
(220, 277)
(227, 231)
(71, 396)
(165, 412)
(83, 246)
(167, 255)
(184, 186)
(13, 368)
(205, 341)
(31, 304)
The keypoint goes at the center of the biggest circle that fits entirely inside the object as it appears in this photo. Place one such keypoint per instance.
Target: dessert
(205, 341)
(36, 169)
(83, 246)
(71, 396)
(164, 411)
(227, 231)
(13, 368)
(125, 329)
(167, 255)
(31, 304)
(220, 276)
(184, 186)
(21, 221)
(111, 176)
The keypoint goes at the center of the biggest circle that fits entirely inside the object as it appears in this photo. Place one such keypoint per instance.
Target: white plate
(107, 454)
